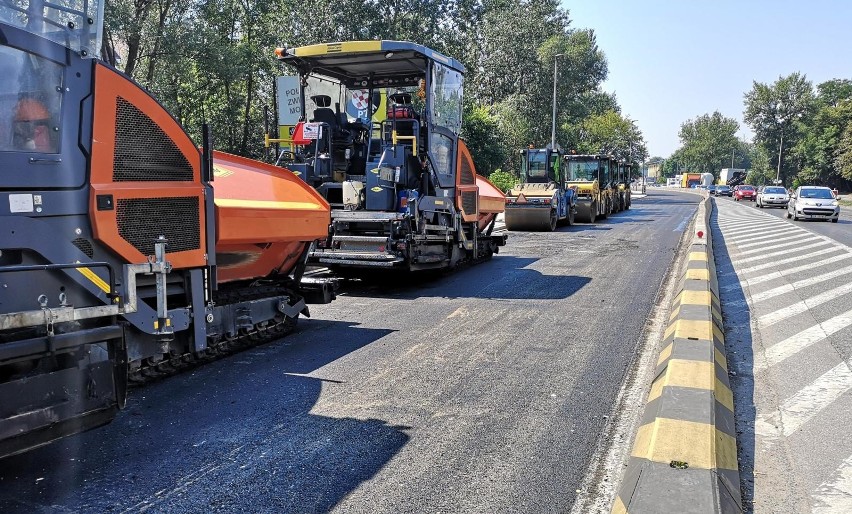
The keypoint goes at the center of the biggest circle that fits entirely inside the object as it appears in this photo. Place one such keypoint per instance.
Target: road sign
(289, 106)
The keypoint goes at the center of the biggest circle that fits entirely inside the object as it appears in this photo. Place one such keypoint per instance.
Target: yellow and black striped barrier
(684, 458)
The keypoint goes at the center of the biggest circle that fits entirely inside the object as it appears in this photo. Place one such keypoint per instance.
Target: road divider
(684, 457)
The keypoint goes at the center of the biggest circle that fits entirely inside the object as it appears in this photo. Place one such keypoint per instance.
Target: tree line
(212, 61)
(802, 135)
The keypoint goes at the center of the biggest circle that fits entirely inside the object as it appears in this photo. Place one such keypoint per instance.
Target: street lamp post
(780, 147)
(553, 128)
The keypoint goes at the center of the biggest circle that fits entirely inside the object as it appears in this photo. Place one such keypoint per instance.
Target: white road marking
(795, 248)
(792, 345)
(746, 236)
(786, 242)
(758, 267)
(778, 274)
(800, 408)
(804, 306)
(787, 288)
(762, 240)
(835, 495)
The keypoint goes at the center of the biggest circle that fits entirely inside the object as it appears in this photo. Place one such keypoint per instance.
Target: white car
(772, 196)
(812, 202)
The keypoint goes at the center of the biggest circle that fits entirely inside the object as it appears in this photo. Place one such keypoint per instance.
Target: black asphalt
(484, 390)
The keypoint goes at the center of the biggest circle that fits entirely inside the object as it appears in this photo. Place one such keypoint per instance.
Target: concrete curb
(684, 458)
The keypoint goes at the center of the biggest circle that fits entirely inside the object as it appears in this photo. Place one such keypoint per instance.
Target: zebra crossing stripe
(797, 258)
(787, 242)
(800, 408)
(785, 349)
(779, 253)
(803, 306)
(834, 496)
(787, 288)
(752, 281)
(758, 232)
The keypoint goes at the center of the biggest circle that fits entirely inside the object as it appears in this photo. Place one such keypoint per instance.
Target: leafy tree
(776, 112)
(482, 135)
(708, 142)
(610, 133)
(503, 180)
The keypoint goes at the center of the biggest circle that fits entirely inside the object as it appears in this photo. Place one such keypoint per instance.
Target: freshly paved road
(481, 391)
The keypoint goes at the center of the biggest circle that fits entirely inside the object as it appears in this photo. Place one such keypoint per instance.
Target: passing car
(723, 191)
(711, 189)
(813, 203)
(744, 192)
(772, 196)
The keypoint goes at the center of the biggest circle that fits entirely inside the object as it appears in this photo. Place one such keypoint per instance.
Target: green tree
(611, 134)
(776, 112)
(708, 141)
(481, 133)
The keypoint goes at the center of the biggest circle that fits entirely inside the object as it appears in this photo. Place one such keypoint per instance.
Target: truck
(707, 179)
(541, 200)
(689, 180)
(404, 191)
(732, 176)
(127, 251)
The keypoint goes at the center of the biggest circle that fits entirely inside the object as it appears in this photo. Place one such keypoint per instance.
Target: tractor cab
(380, 119)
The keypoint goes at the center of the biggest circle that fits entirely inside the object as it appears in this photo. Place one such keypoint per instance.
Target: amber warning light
(280, 52)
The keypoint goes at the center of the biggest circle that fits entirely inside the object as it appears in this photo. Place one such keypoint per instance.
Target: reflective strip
(338, 48)
(95, 279)
(267, 204)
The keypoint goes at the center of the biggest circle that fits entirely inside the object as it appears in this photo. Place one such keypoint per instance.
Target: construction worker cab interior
(30, 102)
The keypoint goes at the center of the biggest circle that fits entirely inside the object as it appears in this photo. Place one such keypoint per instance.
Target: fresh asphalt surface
(484, 390)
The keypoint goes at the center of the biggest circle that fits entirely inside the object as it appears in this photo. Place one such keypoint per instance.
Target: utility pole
(553, 128)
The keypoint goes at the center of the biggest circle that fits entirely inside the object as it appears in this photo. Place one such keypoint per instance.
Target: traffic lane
(788, 332)
(485, 390)
(839, 231)
(514, 427)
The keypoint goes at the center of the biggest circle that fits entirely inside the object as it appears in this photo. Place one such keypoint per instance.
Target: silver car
(813, 202)
(772, 196)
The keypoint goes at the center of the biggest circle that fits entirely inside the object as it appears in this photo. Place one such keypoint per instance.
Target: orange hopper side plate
(265, 217)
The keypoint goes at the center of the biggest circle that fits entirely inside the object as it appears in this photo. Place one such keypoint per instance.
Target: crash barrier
(684, 458)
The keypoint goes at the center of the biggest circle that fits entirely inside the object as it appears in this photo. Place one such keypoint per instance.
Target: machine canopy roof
(353, 63)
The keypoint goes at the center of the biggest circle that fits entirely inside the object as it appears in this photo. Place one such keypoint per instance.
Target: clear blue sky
(670, 61)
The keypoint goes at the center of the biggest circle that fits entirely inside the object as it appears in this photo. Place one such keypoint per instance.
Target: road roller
(590, 176)
(540, 201)
(127, 252)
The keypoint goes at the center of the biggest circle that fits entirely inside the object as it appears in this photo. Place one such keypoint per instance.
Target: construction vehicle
(120, 256)
(404, 191)
(590, 176)
(690, 180)
(540, 201)
(625, 178)
(732, 176)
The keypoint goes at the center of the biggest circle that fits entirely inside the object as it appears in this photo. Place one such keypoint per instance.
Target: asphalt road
(839, 231)
(786, 301)
(484, 390)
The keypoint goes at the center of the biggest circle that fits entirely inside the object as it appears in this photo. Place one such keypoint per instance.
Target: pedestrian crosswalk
(787, 302)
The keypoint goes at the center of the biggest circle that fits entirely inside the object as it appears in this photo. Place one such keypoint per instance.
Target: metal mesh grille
(143, 152)
(466, 173)
(142, 220)
(85, 246)
(468, 199)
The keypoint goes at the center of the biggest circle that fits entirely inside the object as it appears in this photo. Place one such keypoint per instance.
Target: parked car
(772, 196)
(813, 203)
(723, 191)
(744, 192)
